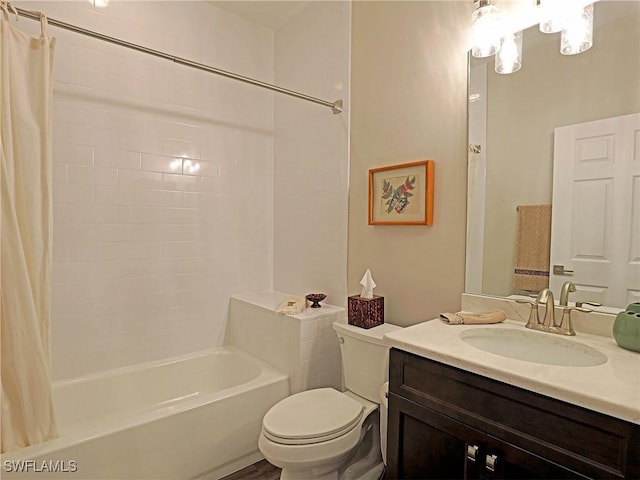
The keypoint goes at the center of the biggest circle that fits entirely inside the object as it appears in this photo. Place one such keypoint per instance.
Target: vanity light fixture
(99, 3)
(485, 28)
(492, 30)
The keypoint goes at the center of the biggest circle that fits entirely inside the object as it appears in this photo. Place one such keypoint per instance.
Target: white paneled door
(596, 210)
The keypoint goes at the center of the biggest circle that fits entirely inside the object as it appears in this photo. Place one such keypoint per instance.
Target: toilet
(325, 434)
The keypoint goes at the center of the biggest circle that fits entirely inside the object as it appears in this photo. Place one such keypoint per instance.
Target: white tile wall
(318, 362)
(148, 248)
(312, 153)
(304, 346)
(162, 180)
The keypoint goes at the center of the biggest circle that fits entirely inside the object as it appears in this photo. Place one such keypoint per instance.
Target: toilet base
(364, 463)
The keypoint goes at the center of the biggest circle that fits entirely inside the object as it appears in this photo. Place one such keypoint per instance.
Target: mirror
(511, 134)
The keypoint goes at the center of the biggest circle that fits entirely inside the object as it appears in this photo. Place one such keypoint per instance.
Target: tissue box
(366, 312)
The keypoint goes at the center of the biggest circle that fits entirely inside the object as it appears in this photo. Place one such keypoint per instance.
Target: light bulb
(509, 57)
(485, 30)
(577, 32)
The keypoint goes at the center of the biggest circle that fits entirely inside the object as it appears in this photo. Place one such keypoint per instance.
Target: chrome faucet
(548, 324)
(545, 297)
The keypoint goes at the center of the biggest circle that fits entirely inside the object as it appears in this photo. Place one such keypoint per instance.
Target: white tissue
(367, 285)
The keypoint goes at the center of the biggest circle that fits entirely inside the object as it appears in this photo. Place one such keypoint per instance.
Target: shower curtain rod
(336, 107)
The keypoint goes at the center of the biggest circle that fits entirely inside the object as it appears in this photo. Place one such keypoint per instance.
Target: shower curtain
(26, 88)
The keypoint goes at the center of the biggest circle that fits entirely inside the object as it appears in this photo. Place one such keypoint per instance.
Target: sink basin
(536, 347)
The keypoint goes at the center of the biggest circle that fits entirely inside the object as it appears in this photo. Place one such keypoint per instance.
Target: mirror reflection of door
(596, 209)
(512, 118)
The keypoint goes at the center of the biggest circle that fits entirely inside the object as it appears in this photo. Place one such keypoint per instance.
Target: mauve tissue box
(365, 312)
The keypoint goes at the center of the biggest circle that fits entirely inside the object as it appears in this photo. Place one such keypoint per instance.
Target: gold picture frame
(401, 194)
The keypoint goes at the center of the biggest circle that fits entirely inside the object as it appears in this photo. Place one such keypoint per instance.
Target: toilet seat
(313, 416)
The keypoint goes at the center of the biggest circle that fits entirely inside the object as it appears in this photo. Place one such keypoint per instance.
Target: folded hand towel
(292, 306)
(460, 318)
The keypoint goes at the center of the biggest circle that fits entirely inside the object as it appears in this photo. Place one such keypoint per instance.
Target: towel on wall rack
(533, 247)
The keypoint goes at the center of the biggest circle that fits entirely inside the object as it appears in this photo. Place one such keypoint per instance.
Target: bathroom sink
(536, 347)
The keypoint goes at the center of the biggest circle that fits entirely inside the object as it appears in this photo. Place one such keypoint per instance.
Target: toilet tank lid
(371, 335)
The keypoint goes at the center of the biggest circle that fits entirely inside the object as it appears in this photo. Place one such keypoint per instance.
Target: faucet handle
(593, 304)
(566, 325)
(522, 300)
(581, 309)
(534, 319)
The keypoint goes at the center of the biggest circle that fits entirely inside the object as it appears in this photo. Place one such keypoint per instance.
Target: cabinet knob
(472, 452)
(491, 462)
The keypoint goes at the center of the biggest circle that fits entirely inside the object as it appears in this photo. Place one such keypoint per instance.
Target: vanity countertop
(612, 388)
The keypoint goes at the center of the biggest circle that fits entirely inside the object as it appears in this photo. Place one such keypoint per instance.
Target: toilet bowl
(327, 434)
(311, 434)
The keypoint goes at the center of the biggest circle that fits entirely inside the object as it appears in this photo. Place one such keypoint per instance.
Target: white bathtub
(193, 416)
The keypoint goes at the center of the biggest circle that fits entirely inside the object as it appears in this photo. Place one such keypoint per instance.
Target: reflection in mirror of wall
(512, 120)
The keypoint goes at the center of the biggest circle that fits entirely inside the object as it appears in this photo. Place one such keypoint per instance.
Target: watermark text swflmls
(40, 466)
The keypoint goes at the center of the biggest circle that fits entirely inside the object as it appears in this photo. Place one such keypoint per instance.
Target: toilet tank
(365, 358)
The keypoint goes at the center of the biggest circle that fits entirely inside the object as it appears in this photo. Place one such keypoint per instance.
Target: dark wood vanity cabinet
(447, 423)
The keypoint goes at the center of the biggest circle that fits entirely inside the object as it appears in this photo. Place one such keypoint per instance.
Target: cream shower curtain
(26, 88)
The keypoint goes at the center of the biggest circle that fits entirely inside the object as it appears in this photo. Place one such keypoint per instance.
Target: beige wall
(408, 103)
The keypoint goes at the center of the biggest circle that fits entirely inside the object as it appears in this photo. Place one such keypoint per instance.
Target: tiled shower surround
(163, 179)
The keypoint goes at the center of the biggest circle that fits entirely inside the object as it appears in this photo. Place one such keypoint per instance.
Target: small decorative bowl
(315, 299)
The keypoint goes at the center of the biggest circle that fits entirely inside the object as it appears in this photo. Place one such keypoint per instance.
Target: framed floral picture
(401, 194)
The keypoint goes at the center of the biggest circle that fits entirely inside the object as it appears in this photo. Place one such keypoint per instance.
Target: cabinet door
(505, 461)
(531, 435)
(431, 446)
